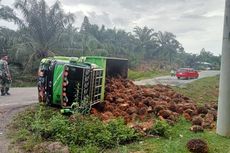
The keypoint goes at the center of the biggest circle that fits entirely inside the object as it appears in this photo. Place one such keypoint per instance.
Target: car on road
(187, 73)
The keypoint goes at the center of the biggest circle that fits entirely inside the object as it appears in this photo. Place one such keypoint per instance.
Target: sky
(196, 23)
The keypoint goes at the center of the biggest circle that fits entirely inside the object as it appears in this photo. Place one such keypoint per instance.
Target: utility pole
(223, 117)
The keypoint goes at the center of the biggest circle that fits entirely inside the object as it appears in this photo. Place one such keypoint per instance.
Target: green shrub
(160, 128)
(89, 130)
(121, 134)
(55, 129)
(47, 124)
(22, 135)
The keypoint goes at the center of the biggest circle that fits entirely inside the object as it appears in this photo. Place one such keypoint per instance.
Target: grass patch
(139, 75)
(176, 143)
(24, 81)
(160, 128)
(201, 91)
(19, 83)
(40, 124)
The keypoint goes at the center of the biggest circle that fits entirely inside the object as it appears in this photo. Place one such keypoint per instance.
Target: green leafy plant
(120, 133)
(160, 128)
(80, 106)
(47, 124)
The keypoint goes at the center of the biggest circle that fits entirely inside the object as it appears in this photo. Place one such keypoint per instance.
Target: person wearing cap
(5, 77)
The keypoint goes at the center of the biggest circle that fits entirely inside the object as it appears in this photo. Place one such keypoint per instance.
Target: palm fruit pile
(140, 103)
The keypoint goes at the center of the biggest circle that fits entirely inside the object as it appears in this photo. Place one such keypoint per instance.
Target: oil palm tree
(7, 39)
(8, 14)
(42, 25)
(145, 40)
(168, 45)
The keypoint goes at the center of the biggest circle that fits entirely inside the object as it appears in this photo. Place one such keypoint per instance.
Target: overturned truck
(75, 83)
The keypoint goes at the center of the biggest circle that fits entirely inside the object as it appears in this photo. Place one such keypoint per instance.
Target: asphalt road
(173, 81)
(19, 97)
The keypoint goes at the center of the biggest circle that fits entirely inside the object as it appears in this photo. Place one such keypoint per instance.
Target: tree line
(44, 30)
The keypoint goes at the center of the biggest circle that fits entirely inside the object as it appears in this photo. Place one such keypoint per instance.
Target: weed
(46, 124)
(160, 128)
(85, 149)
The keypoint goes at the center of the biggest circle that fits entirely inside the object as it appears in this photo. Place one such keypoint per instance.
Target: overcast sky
(196, 23)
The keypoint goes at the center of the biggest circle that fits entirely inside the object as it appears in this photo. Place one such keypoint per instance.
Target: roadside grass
(202, 91)
(140, 75)
(44, 124)
(24, 81)
(176, 143)
(19, 83)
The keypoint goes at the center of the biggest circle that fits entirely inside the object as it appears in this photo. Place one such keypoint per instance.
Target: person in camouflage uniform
(5, 77)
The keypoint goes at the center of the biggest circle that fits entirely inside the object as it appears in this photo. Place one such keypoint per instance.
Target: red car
(187, 73)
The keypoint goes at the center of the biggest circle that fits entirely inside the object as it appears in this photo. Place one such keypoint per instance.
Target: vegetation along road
(173, 81)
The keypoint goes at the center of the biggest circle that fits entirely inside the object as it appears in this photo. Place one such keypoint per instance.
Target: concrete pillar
(223, 118)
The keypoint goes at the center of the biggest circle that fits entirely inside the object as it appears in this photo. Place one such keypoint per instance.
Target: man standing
(5, 77)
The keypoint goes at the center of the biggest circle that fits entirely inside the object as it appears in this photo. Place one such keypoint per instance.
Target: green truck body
(64, 81)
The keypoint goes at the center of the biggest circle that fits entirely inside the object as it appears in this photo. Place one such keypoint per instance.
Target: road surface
(173, 81)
